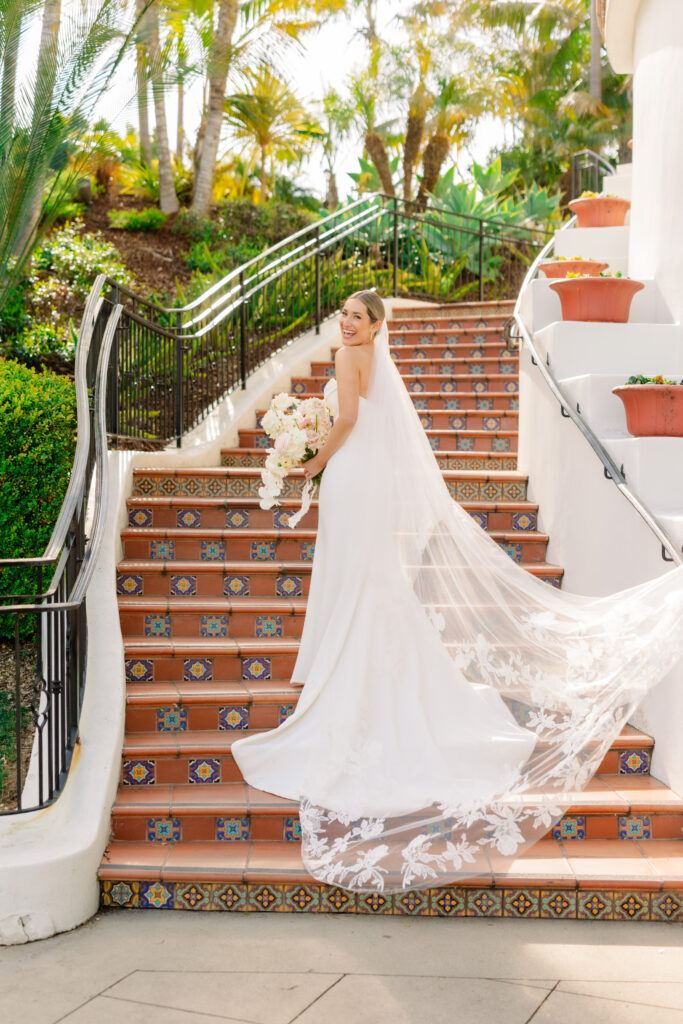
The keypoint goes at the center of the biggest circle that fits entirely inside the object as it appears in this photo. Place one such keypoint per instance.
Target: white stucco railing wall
(49, 859)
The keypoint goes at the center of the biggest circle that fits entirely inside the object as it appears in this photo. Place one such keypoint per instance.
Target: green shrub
(149, 219)
(14, 313)
(37, 443)
(37, 342)
(76, 257)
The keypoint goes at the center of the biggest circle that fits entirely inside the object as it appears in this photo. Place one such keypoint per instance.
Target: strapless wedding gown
(386, 723)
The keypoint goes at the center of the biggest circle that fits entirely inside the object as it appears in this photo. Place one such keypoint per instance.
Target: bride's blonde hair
(372, 303)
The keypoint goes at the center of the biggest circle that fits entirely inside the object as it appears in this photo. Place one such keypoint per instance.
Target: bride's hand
(313, 467)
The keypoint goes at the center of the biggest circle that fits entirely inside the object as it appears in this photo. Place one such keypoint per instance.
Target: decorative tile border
(450, 901)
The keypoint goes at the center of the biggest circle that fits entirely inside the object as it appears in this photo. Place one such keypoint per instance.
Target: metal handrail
(612, 472)
(600, 163)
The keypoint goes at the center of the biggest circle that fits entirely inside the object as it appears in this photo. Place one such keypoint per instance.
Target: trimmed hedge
(37, 444)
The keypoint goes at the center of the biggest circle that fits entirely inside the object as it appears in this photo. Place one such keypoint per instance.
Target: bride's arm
(348, 392)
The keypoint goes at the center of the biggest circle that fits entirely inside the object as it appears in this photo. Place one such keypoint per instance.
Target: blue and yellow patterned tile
(451, 403)
(163, 830)
(414, 903)
(162, 550)
(480, 386)
(476, 368)
(262, 550)
(140, 517)
(130, 585)
(157, 895)
(157, 625)
(256, 668)
(139, 670)
(298, 388)
(212, 551)
(523, 520)
(448, 901)
(193, 896)
(416, 386)
(120, 894)
(301, 898)
(289, 586)
(232, 829)
(511, 385)
(631, 906)
(464, 444)
(236, 488)
(335, 900)
(171, 719)
(513, 550)
(484, 403)
(216, 488)
(558, 903)
(262, 441)
(635, 826)
(484, 903)
(237, 519)
(426, 421)
(233, 717)
(269, 626)
(491, 422)
(231, 897)
(281, 518)
(168, 486)
(457, 422)
(634, 762)
(374, 903)
(513, 404)
(521, 903)
(199, 669)
(666, 906)
(139, 772)
(183, 586)
(448, 387)
(189, 518)
(284, 711)
(291, 830)
(500, 444)
(482, 518)
(434, 443)
(265, 897)
(476, 353)
(145, 485)
(204, 771)
(571, 826)
(597, 905)
(236, 586)
(191, 487)
(213, 626)
(307, 550)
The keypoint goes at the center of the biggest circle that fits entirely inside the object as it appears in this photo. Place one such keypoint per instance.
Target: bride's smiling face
(356, 326)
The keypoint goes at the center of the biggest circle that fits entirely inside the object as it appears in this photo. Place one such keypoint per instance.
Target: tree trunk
(168, 200)
(180, 133)
(411, 150)
(435, 153)
(219, 59)
(9, 75)
(142, 76)
(264, 177)
(332, 197)
(43, 98)
(374, 144)
(595, 86)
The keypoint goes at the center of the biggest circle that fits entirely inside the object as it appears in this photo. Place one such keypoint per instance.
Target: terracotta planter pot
(600, 211)
(603, 299)
(560, 268)
(652, 410)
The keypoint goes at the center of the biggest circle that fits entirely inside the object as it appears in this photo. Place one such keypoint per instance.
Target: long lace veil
(570, 669)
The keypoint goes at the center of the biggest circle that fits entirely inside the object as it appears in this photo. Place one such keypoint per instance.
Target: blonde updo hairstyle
(372, 303)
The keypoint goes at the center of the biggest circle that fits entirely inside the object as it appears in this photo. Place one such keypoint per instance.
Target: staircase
(212, 596)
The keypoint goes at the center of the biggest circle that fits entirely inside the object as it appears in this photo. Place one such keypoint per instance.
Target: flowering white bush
(74, 256)
(299, 427)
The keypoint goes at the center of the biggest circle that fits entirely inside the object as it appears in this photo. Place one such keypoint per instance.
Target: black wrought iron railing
(171, 366)
(145, 375)
(588, 171)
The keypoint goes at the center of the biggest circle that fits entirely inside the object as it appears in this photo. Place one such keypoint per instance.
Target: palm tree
(269, 118)
(42, 112)
(168, 199)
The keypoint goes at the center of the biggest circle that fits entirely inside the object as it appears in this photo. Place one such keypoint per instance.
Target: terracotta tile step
(447, 396)
(499, 310)
(237, 812)
(438, 365)
(203, 757)
(137, 578)
(198, 659)
(408, 346)
(428, 382)
(441, 334)
(213, 705)
(443, 444)
(498, 441)
(168, 544)
(217, 618)
(237, 481)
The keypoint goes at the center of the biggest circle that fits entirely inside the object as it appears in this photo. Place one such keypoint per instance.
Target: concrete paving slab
(565, 1008)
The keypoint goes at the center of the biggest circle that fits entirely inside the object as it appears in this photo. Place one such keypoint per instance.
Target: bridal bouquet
(298, 427)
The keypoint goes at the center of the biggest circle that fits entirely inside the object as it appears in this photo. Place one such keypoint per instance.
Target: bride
(452, 704)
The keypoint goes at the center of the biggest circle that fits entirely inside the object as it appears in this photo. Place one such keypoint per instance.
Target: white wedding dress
(452, 704)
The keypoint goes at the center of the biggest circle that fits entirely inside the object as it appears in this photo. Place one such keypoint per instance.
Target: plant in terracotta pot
(653, 406)
(561, 266)
(595, 210)
(604, 298)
